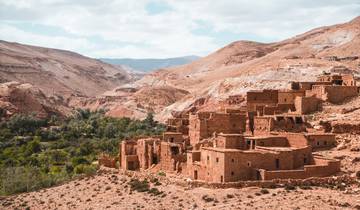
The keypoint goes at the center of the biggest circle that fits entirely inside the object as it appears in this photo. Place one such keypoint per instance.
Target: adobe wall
(327, 168)
(307, 105)
(263, 125)
(171, 156)
(205, 125)
(348, 80)
(230, 141)
(180, 125)
(288, 97)
(297, 140)
(173, 137)
(235, 99)
(242, 165)
(333, 94)
(321, 140)
(107, 161)
(261, 98)
(212, 165)
(148, 151)
(270, 141)
(128, 153)
(278, 109)
(307, 85)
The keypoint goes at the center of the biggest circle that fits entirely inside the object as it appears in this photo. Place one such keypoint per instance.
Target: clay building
(166, 151)
(333, 88)
(283, 122)
(235, 99)
(178, 124)
(278, 157)
(203, 125)
(266, 139)
(261, 98)
(333, 94)
(307, 105)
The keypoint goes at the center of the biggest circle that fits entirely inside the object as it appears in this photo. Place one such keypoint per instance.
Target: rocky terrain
(59, 74)
(245, 65)
(110, 189)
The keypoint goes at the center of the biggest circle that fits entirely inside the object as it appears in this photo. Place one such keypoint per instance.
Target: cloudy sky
(162, 28)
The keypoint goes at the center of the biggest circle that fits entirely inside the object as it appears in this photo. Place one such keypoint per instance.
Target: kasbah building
(267, 139)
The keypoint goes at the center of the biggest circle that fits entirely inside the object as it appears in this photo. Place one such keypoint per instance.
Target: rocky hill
(245, 65)
(57, 71)
(61, 75)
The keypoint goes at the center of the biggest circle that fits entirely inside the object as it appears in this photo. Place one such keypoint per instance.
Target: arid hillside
(58, 72)
(245, 65)
(57, 77)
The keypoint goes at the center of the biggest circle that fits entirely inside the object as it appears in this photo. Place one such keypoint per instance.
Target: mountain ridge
(150, 64)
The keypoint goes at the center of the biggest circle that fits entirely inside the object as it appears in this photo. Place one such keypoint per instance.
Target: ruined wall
(348, 80)
(289, 123)
(333, 94)
(128, 155)
(179, 124)
(173, 137)
(107, 161)
(307, 105)
(171, 156)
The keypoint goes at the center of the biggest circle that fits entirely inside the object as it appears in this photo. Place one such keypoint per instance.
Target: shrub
(289, 187)
(206, 198)
(264, 191)
(84, 169)
(139, 186)
(155, 191)
(161, 173)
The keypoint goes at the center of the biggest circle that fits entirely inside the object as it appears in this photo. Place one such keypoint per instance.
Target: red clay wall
(307, 105)
(288, 97)
(262, 98)
(321, 140)
(205, 125)
(327, 168)
(333, 94)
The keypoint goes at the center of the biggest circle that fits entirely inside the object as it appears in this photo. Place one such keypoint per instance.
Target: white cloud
(127, 30)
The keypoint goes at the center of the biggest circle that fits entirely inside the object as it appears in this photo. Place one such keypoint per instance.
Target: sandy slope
(58, 72)
(110, 190)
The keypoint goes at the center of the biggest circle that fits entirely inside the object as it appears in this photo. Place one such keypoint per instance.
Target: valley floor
(110, 189)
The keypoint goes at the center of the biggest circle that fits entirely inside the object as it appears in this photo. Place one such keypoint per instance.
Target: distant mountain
(147, 65)
(58, 72)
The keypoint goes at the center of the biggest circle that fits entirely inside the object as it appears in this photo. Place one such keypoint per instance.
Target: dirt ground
(111, 190)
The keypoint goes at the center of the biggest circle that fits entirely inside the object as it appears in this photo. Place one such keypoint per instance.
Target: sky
(162, 28)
